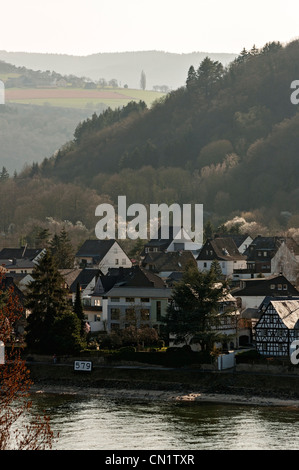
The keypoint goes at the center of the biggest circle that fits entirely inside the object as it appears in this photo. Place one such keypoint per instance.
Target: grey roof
(238, 239)
(262, 287)
(127, 291)
(20, 253)
(269, 245)
(17, 263)
(82, 276)
(288, 311)
(250, 313)
(95, 248)
(170, 261)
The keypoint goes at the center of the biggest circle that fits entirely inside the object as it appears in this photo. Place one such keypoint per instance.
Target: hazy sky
(83, 27)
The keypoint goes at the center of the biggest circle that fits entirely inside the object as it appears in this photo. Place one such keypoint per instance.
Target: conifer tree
(62, 250)
(52, 326)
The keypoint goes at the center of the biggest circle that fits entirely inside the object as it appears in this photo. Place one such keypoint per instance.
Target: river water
(98, 423)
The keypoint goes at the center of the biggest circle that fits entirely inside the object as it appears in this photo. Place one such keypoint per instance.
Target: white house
(225, 251)
(102, 254)
(273, 255)
(177, 240)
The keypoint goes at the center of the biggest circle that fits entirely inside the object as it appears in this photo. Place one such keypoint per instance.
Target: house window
(279, 286)
(130, 299)
(114, 299)
(285, 287)
(116, 261)
(259, 253)
(145, 299)
(97, 302)
(97, 318)
(158, 310)
(205, 265)
(265, 253)
(124, 261)
(272, 286)
(115, 313)
(130, 314)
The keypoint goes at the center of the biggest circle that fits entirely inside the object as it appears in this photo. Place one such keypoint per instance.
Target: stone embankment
(183, 385)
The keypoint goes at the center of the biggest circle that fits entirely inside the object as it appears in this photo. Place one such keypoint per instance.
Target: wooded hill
(228, 139)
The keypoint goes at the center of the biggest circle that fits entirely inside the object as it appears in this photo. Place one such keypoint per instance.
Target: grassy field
(79, 97)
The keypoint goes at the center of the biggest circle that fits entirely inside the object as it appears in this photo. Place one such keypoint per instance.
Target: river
(99, 423)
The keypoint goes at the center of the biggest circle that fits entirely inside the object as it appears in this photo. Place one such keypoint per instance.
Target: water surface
(97, 423)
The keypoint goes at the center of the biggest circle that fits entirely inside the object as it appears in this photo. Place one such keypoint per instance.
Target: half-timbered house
(278, 327)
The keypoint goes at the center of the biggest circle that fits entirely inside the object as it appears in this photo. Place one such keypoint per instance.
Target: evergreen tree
(191, 78)
(192, 315)
(142, 80)
(47, 300)
(42, 238)
(62, 250)
(216, 269)
(78, 310)
(4, 175)
(208, 73)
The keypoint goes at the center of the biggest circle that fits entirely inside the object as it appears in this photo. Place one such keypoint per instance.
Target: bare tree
(20, 428)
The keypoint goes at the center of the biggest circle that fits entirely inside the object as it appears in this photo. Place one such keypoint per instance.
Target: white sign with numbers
(83, 365)
(2, 353)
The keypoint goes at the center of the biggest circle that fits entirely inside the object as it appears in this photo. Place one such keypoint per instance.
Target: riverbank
(181, 385)
(167, 396)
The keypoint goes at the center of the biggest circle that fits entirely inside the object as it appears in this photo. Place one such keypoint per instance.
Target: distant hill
(160, 68)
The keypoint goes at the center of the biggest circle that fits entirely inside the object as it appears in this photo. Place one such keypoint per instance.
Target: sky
(83, 27)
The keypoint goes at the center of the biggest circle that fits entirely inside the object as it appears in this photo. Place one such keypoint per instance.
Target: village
(263, 298)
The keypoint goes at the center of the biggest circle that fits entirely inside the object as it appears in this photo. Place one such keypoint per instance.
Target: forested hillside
(228, 139)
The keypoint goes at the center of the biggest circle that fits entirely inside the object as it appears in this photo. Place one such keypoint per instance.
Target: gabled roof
(262, 287)
(131, 278)
(223, 249)
(82, 276)
(288, 311)
(95, 248)
(169, 261)
(238, 239)
(19, 253)
(269, 245)
(165, 242)
(140, 277)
